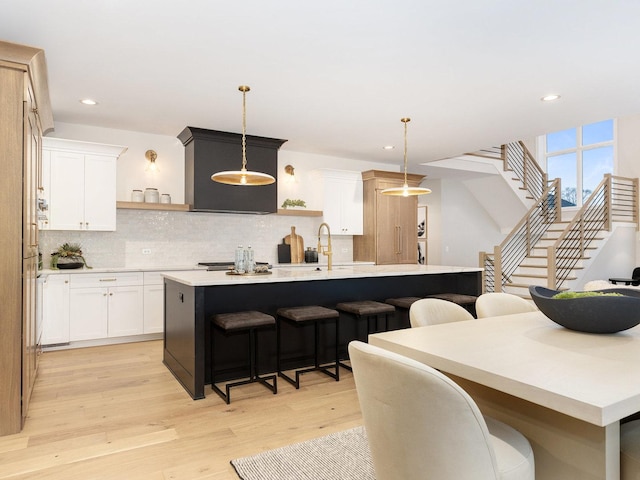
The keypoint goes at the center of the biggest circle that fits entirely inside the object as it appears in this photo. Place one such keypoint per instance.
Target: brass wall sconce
(151, 157)
(290, 172)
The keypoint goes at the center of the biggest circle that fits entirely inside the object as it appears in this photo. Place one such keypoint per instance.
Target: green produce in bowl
(566, 295)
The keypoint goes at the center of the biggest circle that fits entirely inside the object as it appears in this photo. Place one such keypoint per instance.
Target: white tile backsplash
(186, 238)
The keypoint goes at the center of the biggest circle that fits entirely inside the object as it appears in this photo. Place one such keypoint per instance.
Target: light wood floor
(116, 412)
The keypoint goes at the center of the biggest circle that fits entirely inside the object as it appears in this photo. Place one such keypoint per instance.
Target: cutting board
(297, 246)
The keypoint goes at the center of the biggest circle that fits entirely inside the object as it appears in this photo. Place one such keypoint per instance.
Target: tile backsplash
(177, 239)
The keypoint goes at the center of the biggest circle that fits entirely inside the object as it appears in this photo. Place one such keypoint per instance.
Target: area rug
(339, 456)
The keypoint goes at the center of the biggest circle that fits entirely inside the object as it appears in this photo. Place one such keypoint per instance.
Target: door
(88, 313)
(153, 308)
(125, 310)
(66, 210)
(55, 315)
(100, 193)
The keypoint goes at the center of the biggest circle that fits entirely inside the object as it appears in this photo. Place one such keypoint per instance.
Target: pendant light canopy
(243, 176)
(405, 190)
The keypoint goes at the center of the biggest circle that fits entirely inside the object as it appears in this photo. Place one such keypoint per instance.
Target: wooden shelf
(174, 207)
(299, 213)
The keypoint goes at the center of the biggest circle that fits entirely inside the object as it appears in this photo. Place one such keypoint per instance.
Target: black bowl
(70, 265)
(598, 314)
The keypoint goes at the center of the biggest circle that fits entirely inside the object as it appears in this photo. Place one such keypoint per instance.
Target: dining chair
(420, 424)
(432, 311)
(495, 304)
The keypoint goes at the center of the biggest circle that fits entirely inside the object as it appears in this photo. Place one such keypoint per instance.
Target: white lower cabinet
(55, 309)
(106, 305)
(97, 306)
(153, 302)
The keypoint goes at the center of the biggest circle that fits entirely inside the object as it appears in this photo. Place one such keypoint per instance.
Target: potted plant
(68, 255)
(294, 203)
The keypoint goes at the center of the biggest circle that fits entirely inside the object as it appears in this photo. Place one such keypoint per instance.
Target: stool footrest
(322, 368)
(257, 379)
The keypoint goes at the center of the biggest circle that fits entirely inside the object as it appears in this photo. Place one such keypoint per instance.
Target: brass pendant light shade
(405, 190)
(243, 176)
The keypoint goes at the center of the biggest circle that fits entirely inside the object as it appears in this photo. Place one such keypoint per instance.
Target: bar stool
(297, 316)
(369, 310)
(468, 302)
(242, 322)
(403, 304)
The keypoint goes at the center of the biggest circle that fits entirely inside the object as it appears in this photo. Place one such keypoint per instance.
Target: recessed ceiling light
(550, 98)
(388, 147)
(88, 101)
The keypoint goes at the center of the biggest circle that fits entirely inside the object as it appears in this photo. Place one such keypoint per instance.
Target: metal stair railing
(519, 243)
(517, 158)
(615, 199)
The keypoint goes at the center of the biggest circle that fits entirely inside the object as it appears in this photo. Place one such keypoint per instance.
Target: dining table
(566, 391)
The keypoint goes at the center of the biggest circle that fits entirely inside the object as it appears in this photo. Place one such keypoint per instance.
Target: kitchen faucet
(326, 250)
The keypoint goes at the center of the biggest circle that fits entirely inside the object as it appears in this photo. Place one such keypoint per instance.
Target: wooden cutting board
(297, 246)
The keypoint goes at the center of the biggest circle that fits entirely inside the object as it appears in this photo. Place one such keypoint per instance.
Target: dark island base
(188, 311)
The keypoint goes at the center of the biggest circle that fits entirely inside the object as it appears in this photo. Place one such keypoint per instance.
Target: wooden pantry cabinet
(25, 113)
(390, 222)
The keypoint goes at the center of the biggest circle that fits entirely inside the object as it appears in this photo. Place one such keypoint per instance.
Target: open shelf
(292, 212)
(175, 207)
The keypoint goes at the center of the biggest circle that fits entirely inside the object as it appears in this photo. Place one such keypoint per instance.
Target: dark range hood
(210, 151)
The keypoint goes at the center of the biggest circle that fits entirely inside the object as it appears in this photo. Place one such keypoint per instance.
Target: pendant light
(243, 176)
(405, 190)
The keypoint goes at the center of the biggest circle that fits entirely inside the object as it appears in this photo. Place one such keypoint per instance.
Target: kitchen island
(192, 298)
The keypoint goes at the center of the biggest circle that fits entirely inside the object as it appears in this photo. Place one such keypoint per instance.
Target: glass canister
(165, 198)
(137, 196)
(151, 195)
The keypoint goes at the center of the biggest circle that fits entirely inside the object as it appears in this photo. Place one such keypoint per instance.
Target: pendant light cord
(244, 89)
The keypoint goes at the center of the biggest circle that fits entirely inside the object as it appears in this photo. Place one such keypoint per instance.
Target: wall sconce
(291, 176)
(152, 166)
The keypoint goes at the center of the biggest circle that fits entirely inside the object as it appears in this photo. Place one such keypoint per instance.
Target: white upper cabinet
(341, 201)
(81, 185)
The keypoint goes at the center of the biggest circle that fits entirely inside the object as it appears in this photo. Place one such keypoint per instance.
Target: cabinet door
(55, 313)
(125, 311)
(396, 224)
(342, 204)
(66, 210)
(153, 308)
(88, 313)
(99, 193)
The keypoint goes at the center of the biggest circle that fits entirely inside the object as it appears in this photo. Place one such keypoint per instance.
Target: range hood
(210, 151)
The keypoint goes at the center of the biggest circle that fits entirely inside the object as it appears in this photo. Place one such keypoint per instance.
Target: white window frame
(541, 153)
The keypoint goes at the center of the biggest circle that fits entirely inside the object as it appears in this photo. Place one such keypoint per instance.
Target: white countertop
(48, 271)
(200, 278)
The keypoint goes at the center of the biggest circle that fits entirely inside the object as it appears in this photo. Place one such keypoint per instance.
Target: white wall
(185, 238)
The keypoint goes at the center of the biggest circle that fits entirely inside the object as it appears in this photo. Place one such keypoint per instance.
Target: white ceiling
(335, 76)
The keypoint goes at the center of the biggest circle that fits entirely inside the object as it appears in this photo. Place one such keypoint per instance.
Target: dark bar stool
(242, 322)
(403, 304)
(370, 310)
(468, 302)
(297, 316)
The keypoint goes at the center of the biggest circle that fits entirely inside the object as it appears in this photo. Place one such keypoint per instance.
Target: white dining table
(566, 391)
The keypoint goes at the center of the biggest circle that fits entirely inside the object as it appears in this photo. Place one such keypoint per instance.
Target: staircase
(545, 250)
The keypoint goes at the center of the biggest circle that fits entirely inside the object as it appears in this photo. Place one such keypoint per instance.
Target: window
(580, 157)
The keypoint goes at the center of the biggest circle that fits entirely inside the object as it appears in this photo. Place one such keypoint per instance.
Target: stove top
(211, 266)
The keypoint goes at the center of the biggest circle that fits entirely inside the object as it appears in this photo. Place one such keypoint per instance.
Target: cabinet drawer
(86, 280)
(153, 278)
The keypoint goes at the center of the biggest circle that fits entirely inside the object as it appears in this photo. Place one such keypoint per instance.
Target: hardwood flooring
(116, 412)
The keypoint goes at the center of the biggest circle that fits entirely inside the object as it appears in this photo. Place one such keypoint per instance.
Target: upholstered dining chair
(432, 311)
(495, 304)
(422, 425)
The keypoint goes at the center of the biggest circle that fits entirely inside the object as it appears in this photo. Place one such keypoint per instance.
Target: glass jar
(165, 198)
